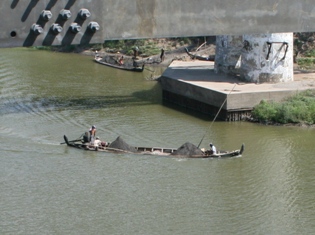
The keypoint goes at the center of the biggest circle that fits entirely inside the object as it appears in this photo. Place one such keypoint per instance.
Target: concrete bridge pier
(257, 58)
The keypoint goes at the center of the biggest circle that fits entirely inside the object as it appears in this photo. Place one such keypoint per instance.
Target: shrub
(265, 111)
(299, 108)
(306, 62)
(310, 53)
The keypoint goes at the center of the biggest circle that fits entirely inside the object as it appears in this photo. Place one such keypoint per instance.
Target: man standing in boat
(135, 52)
(92, 132)
(121, 60)
(97, 142)
(96, 54)
(134, 63)
(213, 149)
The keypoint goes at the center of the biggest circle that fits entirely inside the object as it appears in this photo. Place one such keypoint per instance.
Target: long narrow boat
(159, 151)
(132, 69)
(198, 57)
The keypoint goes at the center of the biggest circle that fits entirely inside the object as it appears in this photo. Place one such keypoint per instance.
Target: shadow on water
(29, 105)
(59, 103)
(195, 114)
(138, 98)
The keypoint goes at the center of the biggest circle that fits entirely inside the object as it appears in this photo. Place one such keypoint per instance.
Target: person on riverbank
(162, 56)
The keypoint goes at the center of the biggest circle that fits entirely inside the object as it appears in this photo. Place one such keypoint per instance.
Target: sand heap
(188, 149)
(119, 143)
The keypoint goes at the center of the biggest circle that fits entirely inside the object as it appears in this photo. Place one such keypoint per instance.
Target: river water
(48, 188)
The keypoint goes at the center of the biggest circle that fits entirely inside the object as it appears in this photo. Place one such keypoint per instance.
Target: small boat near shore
(187, 150)
(198, 57)
(132, 69)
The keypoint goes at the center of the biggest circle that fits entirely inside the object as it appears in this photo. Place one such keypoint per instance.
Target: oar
(216, 116)
(80, 138)
(71, 141)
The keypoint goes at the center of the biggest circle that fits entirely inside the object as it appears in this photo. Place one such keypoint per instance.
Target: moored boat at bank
(117, 66)
(198, 57)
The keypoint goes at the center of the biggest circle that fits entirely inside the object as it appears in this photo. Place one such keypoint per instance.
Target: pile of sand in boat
(186, 149)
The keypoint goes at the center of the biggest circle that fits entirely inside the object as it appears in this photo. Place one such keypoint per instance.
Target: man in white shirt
(213, 148)
(92, 132)
(97, 142)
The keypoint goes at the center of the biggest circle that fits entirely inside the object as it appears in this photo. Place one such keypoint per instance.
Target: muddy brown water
(48, 188)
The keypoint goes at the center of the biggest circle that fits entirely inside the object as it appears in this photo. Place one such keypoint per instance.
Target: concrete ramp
(195, 85)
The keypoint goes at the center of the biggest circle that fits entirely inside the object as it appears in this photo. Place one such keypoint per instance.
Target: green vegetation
(147, 47)
(304, 49)
(43, 48)
(298, 109)
(308, 61)
(69, 48)
(310, 53)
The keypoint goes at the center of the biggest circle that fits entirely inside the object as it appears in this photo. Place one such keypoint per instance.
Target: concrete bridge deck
(66, 22)
(195, 85)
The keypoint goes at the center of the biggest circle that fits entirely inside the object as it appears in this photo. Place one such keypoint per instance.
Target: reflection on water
(47, 188)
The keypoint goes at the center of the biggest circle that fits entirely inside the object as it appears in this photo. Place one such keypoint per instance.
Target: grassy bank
(304, 47)
(298, 109)
(145, 47)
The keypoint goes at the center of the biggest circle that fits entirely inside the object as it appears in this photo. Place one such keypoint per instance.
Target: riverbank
(175, 51)
(302, 77)
(178, 52)
(150, 49)
(298, 109)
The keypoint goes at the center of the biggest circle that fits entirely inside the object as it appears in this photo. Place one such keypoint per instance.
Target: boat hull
(122, 67)
(158, 151)
(197, 57)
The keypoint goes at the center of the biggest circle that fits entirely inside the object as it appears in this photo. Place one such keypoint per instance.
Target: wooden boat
(132, 69)
(198, 57)
(159, 151)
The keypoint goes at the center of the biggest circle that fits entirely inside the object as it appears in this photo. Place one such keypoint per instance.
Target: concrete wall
(133, 19)
(239, 101)
(228, 54)
(256, 58)
(267, 58)
(201, 94)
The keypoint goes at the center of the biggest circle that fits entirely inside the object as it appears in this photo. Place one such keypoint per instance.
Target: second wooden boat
(117, 66)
